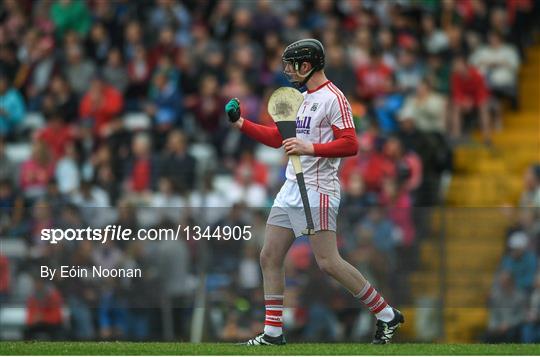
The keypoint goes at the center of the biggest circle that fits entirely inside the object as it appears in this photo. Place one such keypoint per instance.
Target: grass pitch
(166, 348)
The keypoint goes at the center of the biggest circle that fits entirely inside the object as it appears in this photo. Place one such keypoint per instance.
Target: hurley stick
(283, 106)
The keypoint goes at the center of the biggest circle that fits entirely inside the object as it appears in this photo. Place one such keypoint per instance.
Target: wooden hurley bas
(283, 106)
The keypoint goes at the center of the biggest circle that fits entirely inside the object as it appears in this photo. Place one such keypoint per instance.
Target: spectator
(40, 63)
(56, 134)
(207, 107)
(438, 73)
(498, 19)
(506, 311)
(127, 216)
(209, 200)
(107, 181)
(70, 217)
(456, 43)
(139, 72)
(266, 19)
(528, 222)
(177, 164)
(11, 208)
(531, 195)
(93, 202)
(397, 200)
(364, 255)
(112, 312)
(357, 200)
(108, 255)
(101, 156)
(338, 70)
(99, 43)
(114, 71)
(63, 98)
(248, 270)
(498, 62)
(44, 316)
(118, 145)
(382, 231)
(171, 14)
(172, 261)
(469, 94)
(100, 104)
(7, 166)
(166, 46)
(81, 293)
(67, 170)
(70, 15)
(5, 279)
(409, 72)
(236, 84)
(434, 153)
(36, 172)
(133, 39)
(406, 165)
(142, 169)
(426, 108)
(386, 109)
(166, 203)
(164, 103)
(360, 51)
(166, 66)
(112, 16)
(246, 190)
(322, 323)
(12, 108)
(56, 199)
(78, 70)
(480, 22)
(226, 257)
(249, 163)
(435, 39)
(9, 63)
(374, 79)
(388, 47)
(370, 163)
(520, 262)
(531, 328)
(41, 218)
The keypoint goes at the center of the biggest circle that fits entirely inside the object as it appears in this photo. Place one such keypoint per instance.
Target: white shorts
(288, 210)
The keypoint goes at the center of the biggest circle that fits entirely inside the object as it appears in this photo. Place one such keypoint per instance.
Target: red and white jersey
(323, 107)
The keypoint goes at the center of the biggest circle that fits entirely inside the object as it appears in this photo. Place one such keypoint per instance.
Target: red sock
(372, 299)
(273, 322)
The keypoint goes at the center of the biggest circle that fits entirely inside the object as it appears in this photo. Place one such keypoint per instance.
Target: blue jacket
(522, 269)
(12, 105)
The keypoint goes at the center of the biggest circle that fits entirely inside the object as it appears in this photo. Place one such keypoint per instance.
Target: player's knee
(328, 265)
(268, 259)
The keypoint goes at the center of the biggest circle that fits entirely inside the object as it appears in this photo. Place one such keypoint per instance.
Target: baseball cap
(518, 240)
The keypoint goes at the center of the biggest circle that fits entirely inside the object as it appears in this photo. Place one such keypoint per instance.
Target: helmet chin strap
(305, 77)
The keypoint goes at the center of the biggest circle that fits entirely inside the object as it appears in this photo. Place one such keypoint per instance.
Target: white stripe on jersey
(322, 108)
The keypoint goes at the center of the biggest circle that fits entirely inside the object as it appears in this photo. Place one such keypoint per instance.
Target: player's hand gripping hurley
(283, 106)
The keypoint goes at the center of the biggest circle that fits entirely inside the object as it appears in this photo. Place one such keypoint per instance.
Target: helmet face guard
(309, 50)
(292, 72)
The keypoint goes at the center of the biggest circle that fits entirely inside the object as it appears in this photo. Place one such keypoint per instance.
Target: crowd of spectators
(515, 296)
(121, 103)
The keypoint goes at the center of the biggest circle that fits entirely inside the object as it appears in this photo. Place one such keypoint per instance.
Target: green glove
(233, 110)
